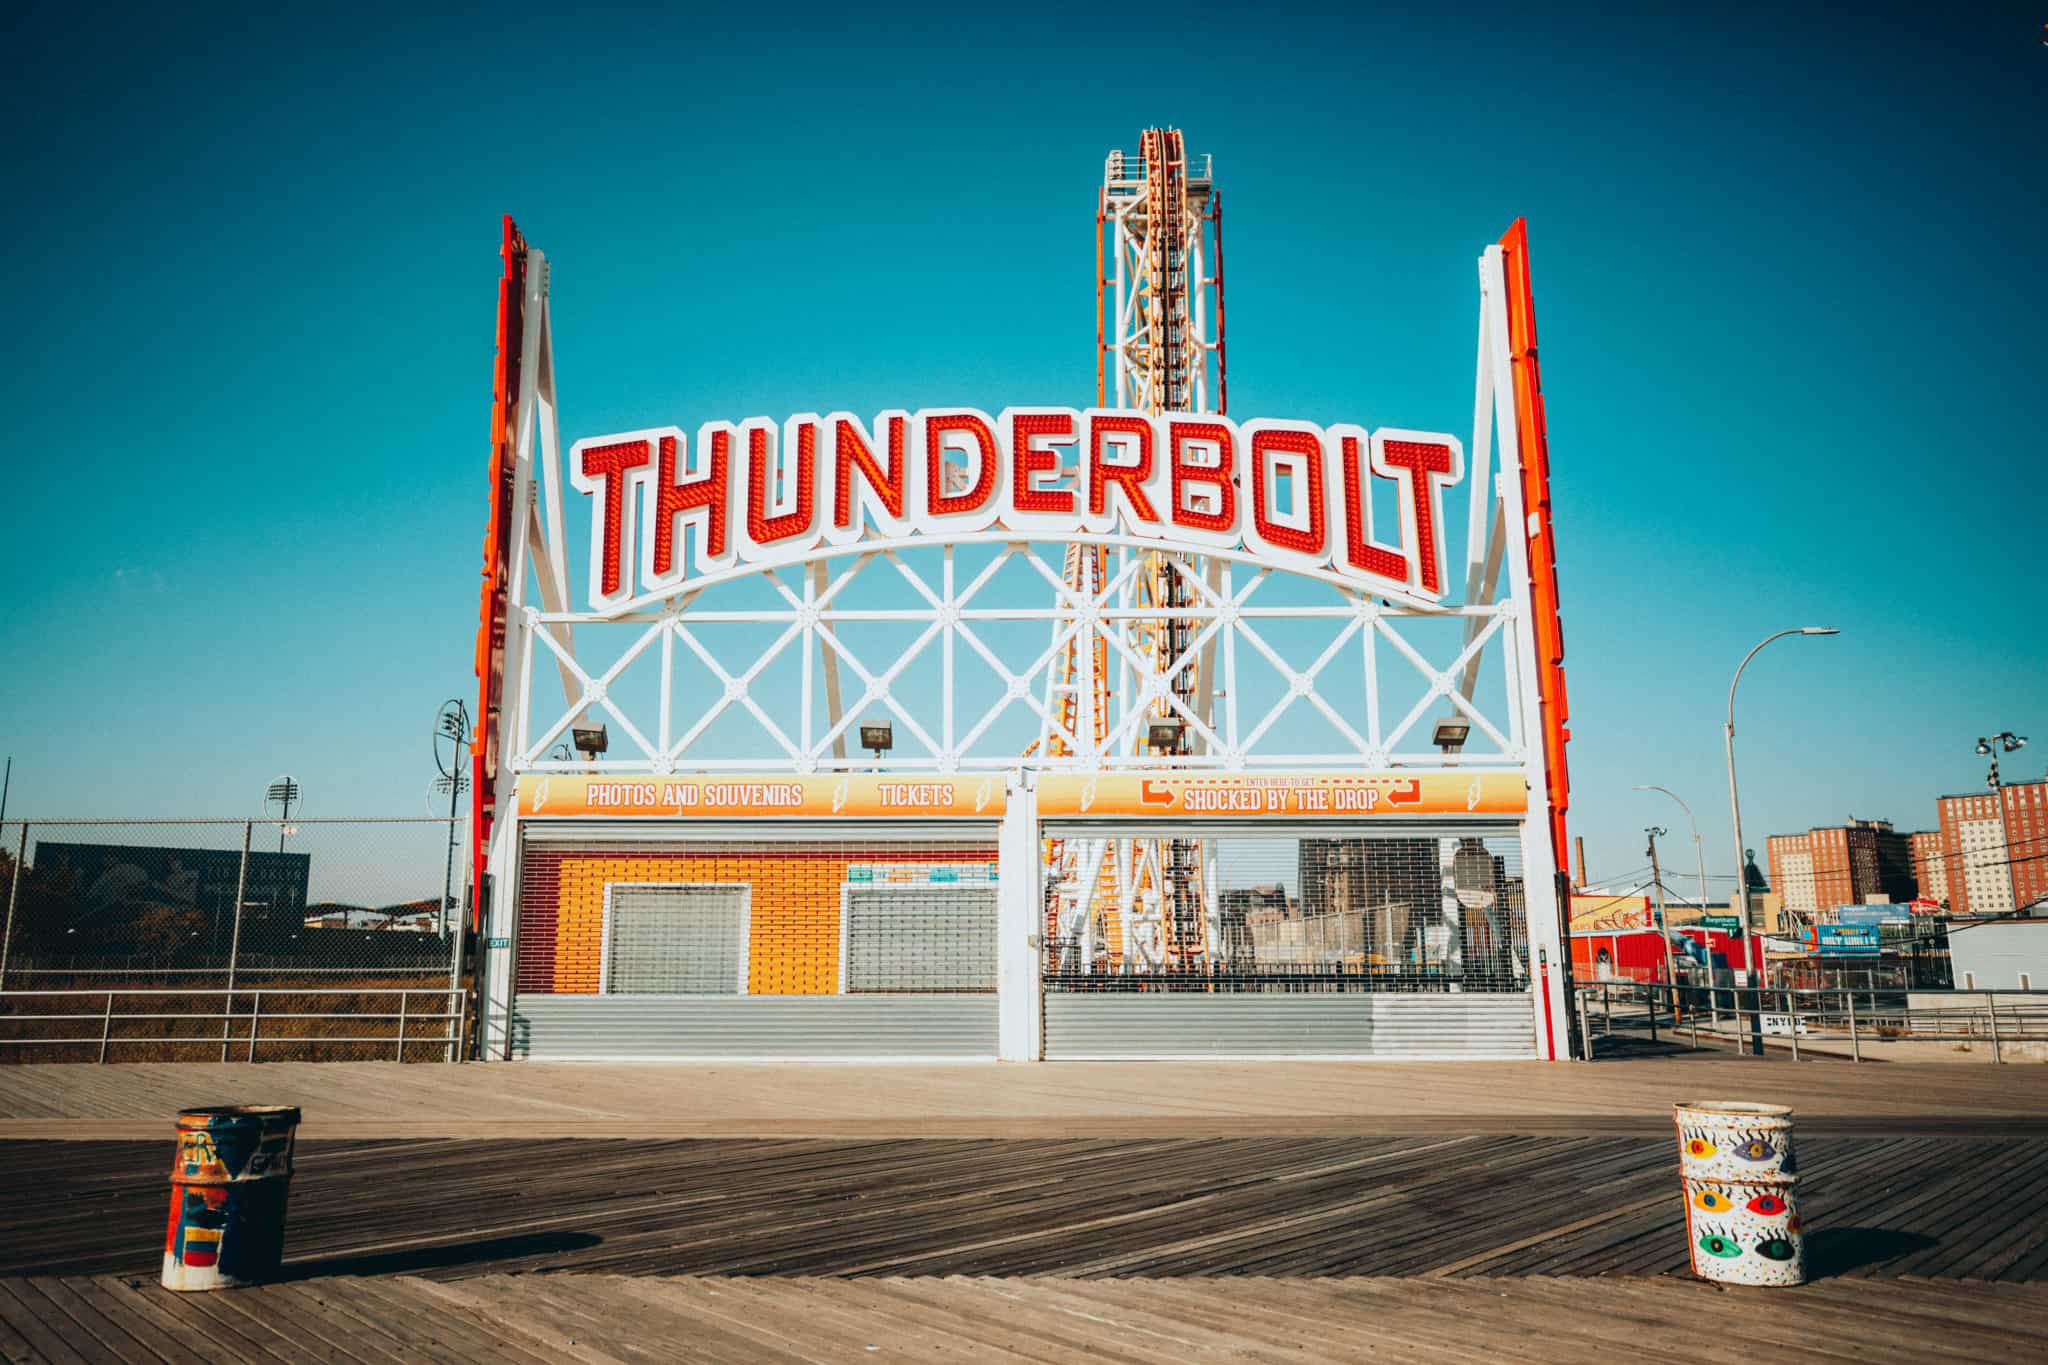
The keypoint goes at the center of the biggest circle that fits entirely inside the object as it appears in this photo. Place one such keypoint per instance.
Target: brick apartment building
(1995, 861)
(1930, 864)
(1841, 865)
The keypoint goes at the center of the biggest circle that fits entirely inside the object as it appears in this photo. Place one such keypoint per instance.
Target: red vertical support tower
(490, 635)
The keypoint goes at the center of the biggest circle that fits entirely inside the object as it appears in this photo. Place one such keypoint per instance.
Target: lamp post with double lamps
(2010, 743)
(1756, 1030)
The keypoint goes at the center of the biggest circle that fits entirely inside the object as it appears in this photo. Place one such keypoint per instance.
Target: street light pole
(2011, 743)
(1756, 1033)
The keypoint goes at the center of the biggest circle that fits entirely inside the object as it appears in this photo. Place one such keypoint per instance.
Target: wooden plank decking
(1443, 1205)
(598, 1318)
(1101, 1099)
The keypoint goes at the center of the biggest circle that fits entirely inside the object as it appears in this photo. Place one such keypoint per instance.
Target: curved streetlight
(1735, 811)
(1698, 854)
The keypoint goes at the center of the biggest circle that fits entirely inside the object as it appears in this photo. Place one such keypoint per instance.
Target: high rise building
(1841, 865)
(1930, 864)
(1996, 848)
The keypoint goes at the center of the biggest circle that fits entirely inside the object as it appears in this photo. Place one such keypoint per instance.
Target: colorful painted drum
(1746, 1231)
(1731, 1140)
(229, 1182)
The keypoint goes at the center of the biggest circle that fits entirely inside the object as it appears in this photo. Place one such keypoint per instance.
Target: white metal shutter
(676, 940)
(920, 938)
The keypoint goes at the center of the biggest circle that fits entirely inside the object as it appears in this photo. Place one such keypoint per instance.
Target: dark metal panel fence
(185, 940)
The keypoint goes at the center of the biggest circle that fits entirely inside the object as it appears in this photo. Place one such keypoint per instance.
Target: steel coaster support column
(1020, 929)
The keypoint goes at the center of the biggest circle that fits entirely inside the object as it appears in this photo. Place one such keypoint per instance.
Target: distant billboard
(1873, 914)
(1594, 912)
(136, 897)
(1845, 940)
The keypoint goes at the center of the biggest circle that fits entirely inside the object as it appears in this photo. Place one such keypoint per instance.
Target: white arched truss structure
(988, 653)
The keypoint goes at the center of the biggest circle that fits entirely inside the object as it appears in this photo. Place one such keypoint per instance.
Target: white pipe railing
(103, 1013)
(1817, 1015)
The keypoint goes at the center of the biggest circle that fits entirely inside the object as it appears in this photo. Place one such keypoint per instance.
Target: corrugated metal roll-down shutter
(653, 1027)
(677, 940)
(1083, 1025)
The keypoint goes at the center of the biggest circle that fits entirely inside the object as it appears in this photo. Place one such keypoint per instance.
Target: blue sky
(1787, 273)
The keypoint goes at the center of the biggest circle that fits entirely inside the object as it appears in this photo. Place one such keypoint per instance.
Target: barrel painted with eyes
(1746, 1231)
(1733, 1140)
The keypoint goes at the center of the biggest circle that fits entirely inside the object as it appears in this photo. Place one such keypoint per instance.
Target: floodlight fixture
(591, 740)
(1165, 734)
(1451, 734)
(879, 736)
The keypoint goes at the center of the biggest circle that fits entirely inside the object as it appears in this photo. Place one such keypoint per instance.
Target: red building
(1995, 847)
(1841, 865)
(1638, 954)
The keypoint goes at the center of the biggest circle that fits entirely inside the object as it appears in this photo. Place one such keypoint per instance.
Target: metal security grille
(677, 940)
(1333, 912)
(934, 938)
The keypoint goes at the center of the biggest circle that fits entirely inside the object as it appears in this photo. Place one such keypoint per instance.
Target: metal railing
(157, 1025)
(1823, 1020)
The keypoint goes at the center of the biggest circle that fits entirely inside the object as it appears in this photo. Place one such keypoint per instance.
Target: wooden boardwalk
(1146, 1213)
(1098, 1099)
(529, 1320)
(1442, 1205)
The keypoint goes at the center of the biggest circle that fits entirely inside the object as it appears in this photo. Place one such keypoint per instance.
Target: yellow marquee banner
(1312, 795)
(750, 795)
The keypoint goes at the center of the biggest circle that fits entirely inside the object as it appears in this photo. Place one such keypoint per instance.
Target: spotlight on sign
(591, 740)
(879, 737)
(1450, 734)
(1165, 734)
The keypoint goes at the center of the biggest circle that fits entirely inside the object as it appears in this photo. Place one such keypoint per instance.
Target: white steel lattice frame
(946, 616)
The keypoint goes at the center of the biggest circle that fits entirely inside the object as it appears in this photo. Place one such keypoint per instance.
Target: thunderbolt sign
(1289, 493)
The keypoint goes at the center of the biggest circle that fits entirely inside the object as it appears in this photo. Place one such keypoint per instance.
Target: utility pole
(1663, 926)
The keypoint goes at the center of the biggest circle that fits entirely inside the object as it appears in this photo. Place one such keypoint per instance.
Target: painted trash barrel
(1745, 1231)
(1740, 1175)
(1733, 1140)
(229, 1182)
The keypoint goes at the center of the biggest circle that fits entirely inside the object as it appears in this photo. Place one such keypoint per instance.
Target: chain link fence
(188, 940)
(1283, 915)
